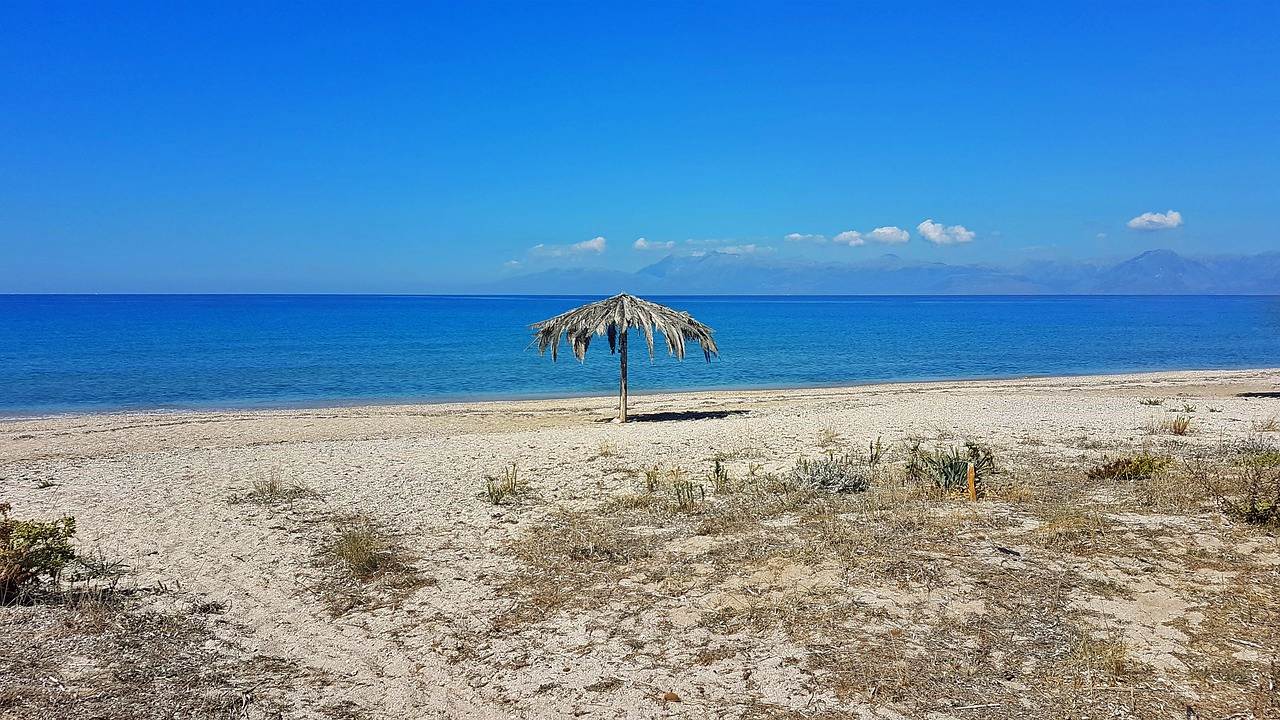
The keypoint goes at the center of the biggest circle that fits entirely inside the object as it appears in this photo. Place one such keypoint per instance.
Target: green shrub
(1259, 503)
(948, 468)
(832, 473)
(1138, 467)
(31, 551)
(1250, 494)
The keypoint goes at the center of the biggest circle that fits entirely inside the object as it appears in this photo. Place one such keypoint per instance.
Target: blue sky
(318, 147)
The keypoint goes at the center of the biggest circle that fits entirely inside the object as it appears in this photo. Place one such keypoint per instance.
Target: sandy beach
(593, 589)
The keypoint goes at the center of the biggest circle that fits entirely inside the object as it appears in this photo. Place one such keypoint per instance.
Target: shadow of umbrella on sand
(612, 318)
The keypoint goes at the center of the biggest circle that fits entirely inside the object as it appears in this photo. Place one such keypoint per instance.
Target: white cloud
(748, 249)
(940, 234)
(511, 264)
(594, 245)
(889, 235)
(805, 237)
(852, 238)
(644, 244)
(1156, 221)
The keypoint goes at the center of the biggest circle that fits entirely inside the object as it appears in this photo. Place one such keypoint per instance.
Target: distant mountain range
(716, 273)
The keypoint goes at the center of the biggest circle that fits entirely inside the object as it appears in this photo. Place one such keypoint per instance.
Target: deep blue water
(120, 352)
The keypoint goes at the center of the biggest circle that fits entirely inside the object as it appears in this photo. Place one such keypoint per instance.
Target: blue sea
(102, 352)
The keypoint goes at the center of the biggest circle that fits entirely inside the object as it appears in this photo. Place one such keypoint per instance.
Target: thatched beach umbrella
(612, 318)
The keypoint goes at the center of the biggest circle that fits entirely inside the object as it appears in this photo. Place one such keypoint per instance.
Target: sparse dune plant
(32, 552)
(720, 478)
(360, 549)
(832, 473)
(875, 452)
(829, 438)
(1136, 467)
(689, 496)
(1248, 491)
(1269, 424)
(653, 478)
(1181, 425)
(507, 485)
(948, 468)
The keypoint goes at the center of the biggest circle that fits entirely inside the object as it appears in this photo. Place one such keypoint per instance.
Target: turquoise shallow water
(102, 352)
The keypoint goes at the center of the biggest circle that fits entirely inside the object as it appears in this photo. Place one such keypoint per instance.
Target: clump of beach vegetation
(32, 553)
(948, 467)
(1180, 425)
(364, 564)
(273, 490)
(1135, 467)
(832, 473)
(1248, 490)
(504, 486)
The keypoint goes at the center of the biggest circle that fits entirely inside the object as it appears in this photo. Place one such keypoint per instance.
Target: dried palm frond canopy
(612, 318)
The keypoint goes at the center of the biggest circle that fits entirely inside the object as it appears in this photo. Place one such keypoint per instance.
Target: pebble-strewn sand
(153, 489)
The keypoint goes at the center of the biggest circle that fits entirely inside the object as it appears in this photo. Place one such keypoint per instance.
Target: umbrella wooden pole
(622, 379)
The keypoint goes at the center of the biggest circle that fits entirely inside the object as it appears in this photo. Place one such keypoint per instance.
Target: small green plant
(1181, 425)
(360, 548)
(875, 452)
(828, 438)
(720, 478)
(1254, 449)
(689, 495)
(1187, 408)
(948, 468)
(365, 564)
(1138, 467)
(31, 551)
(271, 490)
(498, 489)
(832, 473)
(1071, 527)
(94, 568)
(1152, 401)
(1250, 494)
(652, 479)
(1270, 424)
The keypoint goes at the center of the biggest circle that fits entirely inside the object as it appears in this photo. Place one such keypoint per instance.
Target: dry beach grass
(530, 560)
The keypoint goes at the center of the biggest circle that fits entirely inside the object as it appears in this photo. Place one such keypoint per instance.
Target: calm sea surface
(99, 352)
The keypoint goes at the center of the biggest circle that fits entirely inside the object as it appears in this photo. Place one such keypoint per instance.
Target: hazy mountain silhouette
(713, 273)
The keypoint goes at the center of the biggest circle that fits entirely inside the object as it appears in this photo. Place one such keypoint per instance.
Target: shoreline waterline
(1269, 376)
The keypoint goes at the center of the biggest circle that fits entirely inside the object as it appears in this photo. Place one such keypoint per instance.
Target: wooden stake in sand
(973, 484)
